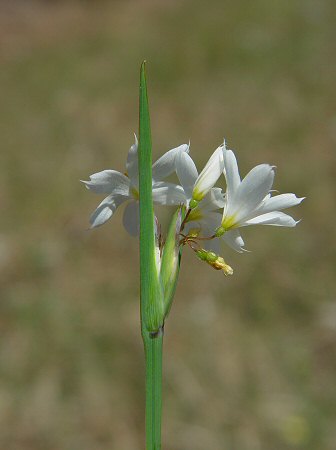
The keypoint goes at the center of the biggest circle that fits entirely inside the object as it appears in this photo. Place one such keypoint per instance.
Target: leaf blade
(151, 297)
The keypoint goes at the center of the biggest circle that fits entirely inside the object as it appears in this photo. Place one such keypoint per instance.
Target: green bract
(170, 264)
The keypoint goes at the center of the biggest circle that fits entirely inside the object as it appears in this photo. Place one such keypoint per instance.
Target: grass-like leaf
(150, 288)
(151, 295)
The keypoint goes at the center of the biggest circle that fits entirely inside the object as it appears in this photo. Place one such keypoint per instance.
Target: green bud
(211, 256)
(193, 203)
(170, 263)
(202, 254)
(220, 231)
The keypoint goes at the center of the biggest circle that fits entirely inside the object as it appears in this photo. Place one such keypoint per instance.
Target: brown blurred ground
(249, 360)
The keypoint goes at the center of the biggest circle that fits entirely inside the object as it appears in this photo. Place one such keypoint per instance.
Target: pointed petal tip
(93, 226)
(244, 250)
(86, 184)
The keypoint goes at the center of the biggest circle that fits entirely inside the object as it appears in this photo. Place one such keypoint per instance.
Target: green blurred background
(250, 361)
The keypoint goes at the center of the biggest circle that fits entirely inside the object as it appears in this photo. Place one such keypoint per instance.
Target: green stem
(153, 354)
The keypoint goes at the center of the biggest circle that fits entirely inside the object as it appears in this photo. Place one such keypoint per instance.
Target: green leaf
(151, 295)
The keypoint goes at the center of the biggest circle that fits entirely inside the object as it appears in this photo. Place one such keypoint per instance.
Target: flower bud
(220, 264)
(193, 203)
(202, 254)
(211, 257)
(215, 261)
(170, 262)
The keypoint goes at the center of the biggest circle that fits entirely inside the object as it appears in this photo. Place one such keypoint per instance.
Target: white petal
(105, 210)
(213, 200)
(165, 165)
(132, 162)
(131, 219)
(210, 222)
(168, 193)
(108, 182)
(251, 192)
(275, 218)
(213, 246)
(209, 175)
(279, 202)
(231, 173)
(234, 240)
(186, 172)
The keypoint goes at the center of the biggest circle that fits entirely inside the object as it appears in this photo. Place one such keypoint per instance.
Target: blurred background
(250, 361)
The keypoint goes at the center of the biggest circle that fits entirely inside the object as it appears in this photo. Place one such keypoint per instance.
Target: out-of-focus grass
(249, 360)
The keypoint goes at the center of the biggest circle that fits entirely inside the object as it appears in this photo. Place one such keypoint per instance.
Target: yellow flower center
(229, 222)
(195, 214)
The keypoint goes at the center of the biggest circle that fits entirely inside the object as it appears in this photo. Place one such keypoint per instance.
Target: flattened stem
(149, 283)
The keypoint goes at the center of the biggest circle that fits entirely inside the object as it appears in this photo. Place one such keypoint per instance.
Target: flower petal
(186, 172)
(209, 175)
(108, 182)
(275, 218)
(213, 200)
(132, 162)
(234, 240)
(131, 219)
(210, 222)
(231, 173)
(168, 193)
(279, 202)
(105, 210)
(250, 193)
(213, 246)
(165, 165)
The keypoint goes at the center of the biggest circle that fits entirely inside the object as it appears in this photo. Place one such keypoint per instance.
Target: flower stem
(153, 354)
(185, 219)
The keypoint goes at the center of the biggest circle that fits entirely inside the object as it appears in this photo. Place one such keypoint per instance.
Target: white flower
(204, 215)
(197, 186)
(123, 187)
(249, 202)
